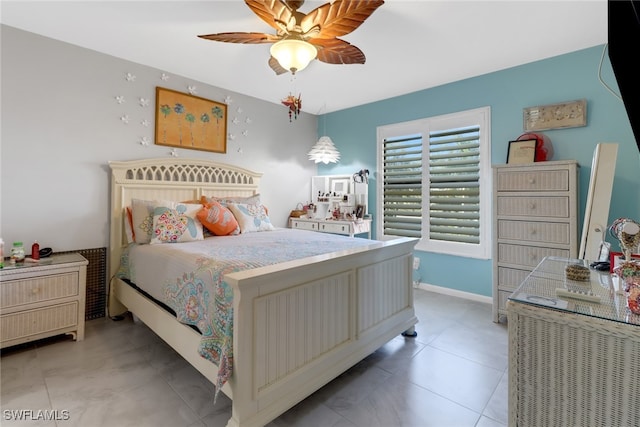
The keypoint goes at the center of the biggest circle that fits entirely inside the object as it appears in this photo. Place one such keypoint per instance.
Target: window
(436, 182)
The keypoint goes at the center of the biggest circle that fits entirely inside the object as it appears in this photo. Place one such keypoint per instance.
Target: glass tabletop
(547, 286)
(55, 259)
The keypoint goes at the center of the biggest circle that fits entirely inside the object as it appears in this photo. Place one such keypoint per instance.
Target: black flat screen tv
(624, 53)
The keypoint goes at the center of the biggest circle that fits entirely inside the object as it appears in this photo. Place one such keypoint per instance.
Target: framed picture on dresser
(522, 151)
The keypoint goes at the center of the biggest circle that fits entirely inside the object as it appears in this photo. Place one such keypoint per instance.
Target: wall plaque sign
(555, 116)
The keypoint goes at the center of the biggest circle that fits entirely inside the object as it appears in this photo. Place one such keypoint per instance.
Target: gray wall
(61, 125)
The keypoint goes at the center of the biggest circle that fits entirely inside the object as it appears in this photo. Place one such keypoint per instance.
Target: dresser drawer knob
(532, 231)
(35, 291)
(532, 180)
(532, 206)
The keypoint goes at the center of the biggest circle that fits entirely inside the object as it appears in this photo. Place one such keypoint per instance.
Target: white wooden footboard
(300, 324)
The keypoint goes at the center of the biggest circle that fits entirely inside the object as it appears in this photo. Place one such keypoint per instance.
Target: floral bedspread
(189, 278)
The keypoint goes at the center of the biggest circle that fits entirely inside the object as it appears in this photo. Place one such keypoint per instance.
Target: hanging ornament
(294, 104)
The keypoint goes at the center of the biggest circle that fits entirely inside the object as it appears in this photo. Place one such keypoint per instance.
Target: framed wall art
(188, 121)
(555, 116)
(523, 151)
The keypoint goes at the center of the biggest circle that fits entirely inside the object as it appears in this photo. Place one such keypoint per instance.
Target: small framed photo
(339, 187)
(616, 258)
(521, 152)
(360, 211)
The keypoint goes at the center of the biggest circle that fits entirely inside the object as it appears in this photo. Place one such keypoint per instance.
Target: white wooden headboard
(170, 179)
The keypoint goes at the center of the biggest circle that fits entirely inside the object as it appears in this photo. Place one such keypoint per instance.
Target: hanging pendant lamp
(324, 151)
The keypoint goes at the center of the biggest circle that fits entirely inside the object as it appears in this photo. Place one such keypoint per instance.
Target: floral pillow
(176, 222)
(142, 218)
(218, 219)
(251, 217)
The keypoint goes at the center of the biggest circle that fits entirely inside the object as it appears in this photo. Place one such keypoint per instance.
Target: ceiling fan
(301, 37)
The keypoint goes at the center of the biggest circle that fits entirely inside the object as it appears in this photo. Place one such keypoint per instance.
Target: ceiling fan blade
(336, 51)
(340, 17)
(275, 66)
(274, 12)
(244, 38)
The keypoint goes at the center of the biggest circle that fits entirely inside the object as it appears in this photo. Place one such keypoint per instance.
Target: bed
(338, 306)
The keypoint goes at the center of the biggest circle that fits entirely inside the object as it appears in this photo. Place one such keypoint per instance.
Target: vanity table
(572, 362)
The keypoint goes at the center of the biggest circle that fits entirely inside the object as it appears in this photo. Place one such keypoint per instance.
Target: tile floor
(452, 375)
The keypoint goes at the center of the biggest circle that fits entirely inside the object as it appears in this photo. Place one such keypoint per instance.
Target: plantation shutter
(454, 189)
(402, 188)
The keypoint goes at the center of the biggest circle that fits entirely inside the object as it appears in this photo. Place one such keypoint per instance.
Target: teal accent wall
(563, 78)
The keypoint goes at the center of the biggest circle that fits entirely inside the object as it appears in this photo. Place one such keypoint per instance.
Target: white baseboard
(455, 293)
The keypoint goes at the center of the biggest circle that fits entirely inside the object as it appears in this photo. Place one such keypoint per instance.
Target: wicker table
(571, 362)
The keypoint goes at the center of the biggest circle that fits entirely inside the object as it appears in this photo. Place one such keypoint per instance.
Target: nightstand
(43, 299)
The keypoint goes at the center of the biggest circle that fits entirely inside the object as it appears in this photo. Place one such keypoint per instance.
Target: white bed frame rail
(298, 324)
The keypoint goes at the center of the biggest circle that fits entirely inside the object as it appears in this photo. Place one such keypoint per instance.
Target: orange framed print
(189, 121)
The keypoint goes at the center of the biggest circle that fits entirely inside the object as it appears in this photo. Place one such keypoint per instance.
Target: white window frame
(480, 117)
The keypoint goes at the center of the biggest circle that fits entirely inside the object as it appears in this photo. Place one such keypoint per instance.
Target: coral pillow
(218, 219)
(176, 222)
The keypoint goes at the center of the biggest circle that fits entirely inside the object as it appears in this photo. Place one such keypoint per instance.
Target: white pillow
(251, 218)
(176, 222)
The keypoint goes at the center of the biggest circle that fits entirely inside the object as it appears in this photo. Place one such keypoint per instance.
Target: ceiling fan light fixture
(324, 151)
(294, 54)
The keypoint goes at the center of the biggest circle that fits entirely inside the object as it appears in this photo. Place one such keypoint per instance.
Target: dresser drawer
(532, 231)
(510, 278)
(24, 324)
(503, 296)
(529, 256)
(549, 207)
(36, 289)
(539, 180)
(304, 225)
(335, 228)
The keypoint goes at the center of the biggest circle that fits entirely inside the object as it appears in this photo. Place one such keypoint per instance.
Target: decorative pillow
(251, 218)
(218, 219)
(142, 219)
(224, 201)
(176, 222)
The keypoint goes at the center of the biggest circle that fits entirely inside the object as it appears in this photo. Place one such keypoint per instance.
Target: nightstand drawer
(550, 207)
(531, 231)
(542, 180)
(25, 324)
(35, 289)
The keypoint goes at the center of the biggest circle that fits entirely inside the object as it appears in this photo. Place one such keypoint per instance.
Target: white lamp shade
(293, 55)
(324, 151)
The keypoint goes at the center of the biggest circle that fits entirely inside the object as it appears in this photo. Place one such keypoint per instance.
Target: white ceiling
(409, 44)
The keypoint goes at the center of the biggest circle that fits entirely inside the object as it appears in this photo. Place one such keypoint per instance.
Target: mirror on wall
(331, 191)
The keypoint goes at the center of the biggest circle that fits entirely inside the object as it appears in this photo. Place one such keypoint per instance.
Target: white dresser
(535, 210)
(349, 228)
(43, 299)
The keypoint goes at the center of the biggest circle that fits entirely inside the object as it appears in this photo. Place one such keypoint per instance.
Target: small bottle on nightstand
(35, 251)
